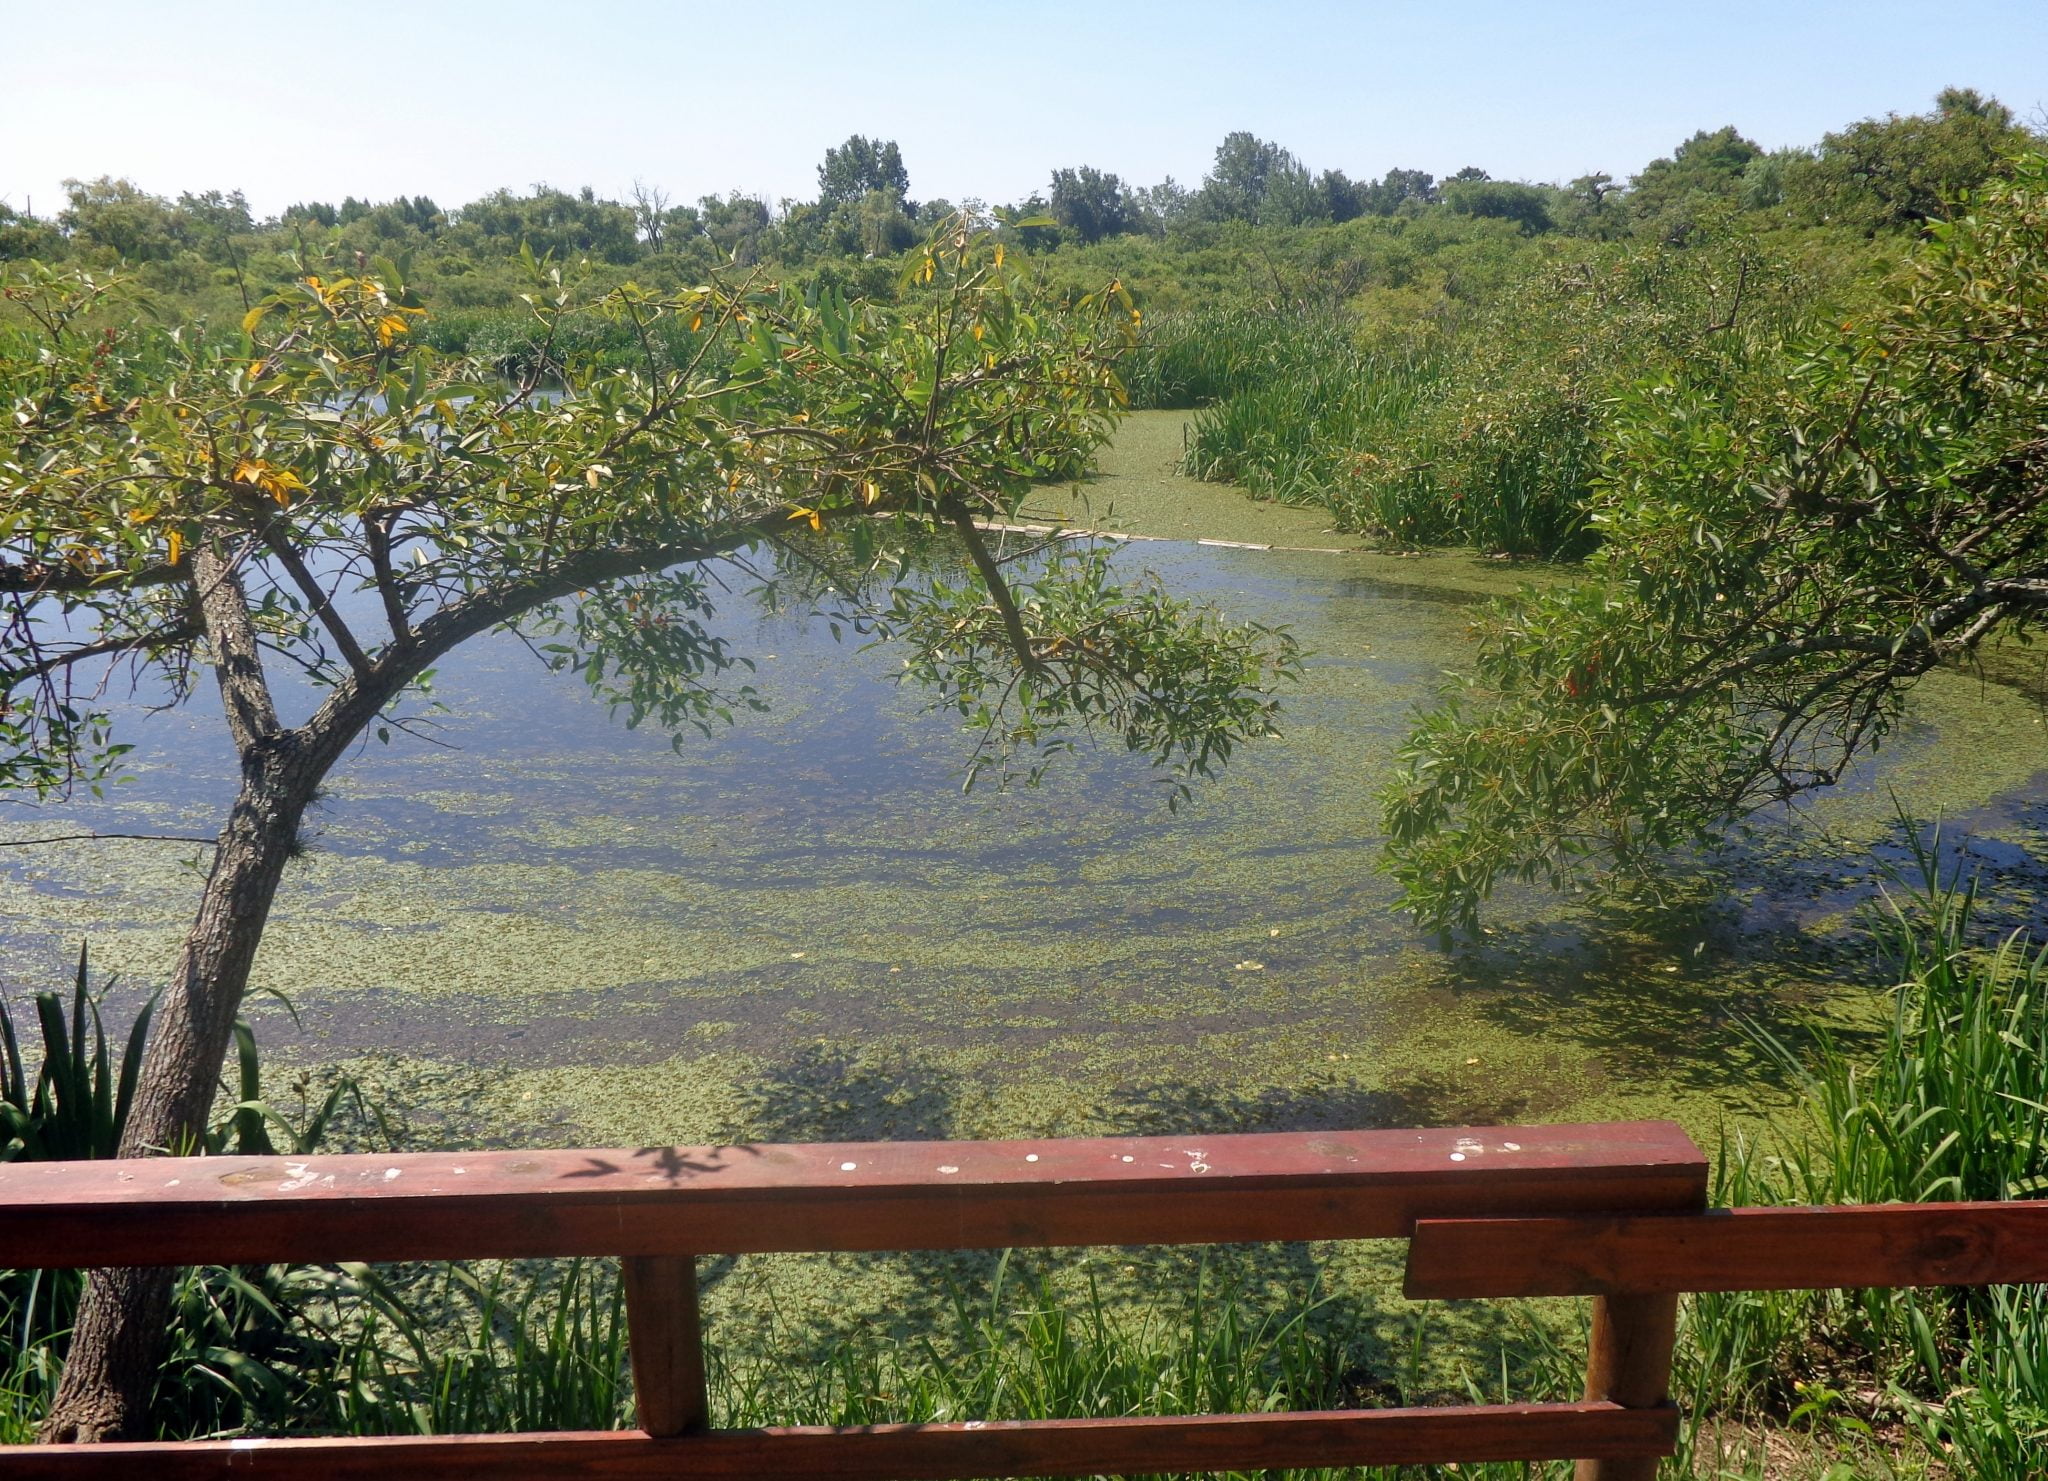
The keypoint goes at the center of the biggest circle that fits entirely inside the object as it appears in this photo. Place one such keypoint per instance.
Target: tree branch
(221, 609)
(998, 588)
(316, 597)
(42, 666)
(94, 837)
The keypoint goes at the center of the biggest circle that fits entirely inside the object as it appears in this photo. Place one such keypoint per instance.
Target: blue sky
(453, 99)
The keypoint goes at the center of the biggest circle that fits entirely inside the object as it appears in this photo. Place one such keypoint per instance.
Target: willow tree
(327, 496)
(1781, 561)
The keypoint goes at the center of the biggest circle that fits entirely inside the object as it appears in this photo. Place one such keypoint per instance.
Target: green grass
(1951, 1103)
(1485, 427)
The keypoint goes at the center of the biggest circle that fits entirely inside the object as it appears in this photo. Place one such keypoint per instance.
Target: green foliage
(1992, 1424)
(1486, 427)
(1952, 1105)
(78, 1100)
(1504, 449)
(1906, 172)
(861, 167)
(335, 435)
(477, 1350)
(550, 223)
(1300, 396)
(1783, 553)
(1708, 167)
(246, 1343)
(1090, 204)
(1182, 686)
(1027, 1351)
(1528, 206)
(1257, 181)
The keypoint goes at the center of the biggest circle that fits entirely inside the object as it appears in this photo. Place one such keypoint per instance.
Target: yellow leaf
(279, 483)
(696, 323)
(176, 542)
(999, 254)
(817, 520)
(977, 333)
(390, 327)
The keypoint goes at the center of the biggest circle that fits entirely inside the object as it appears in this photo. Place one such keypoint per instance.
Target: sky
(454, 99)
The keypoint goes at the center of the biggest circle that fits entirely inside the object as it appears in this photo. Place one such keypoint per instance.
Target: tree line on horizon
(1875, 175)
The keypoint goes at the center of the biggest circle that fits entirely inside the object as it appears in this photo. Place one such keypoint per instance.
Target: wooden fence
(1615, 1211)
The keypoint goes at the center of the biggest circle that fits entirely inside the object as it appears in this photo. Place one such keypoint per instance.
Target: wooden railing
(1614, 1211)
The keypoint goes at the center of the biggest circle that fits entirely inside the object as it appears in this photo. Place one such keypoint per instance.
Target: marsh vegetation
(1596, 537)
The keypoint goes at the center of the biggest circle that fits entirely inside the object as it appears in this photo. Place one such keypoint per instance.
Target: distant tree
(400, 221)
(1470, 175)
(1903, 172)
(651, 207)
(547, 220)
(932, 212)
(1763, 178)
(1253, 180)
(1388, 194)
(736, 224)
(1526, 205)
(310, 213)
(23, 235)
(881, 224)
(859, 166)
(1339, 197)
(119, 217)
(1708, 166)
(1293, 198)
(1042, 234)
(1158, 208)
(1090, 204)
(209, 222)
(1591, 206)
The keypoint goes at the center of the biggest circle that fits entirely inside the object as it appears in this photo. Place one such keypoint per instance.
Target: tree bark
(117, 1344)
(118, 1341)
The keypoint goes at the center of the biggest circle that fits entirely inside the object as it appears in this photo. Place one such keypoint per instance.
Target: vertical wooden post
(666, 1343)
(1629, 1364)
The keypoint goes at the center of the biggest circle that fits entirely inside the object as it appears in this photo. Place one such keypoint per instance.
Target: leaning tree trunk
(118, 1342)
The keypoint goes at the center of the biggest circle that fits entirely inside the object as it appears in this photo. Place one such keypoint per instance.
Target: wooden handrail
(658, 1209)
(1614, 1211)
(1732, 1249)
(904, 1452)
(852, 1196)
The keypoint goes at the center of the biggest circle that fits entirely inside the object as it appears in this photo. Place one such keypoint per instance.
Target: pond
(551, 927)
(657, 942)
